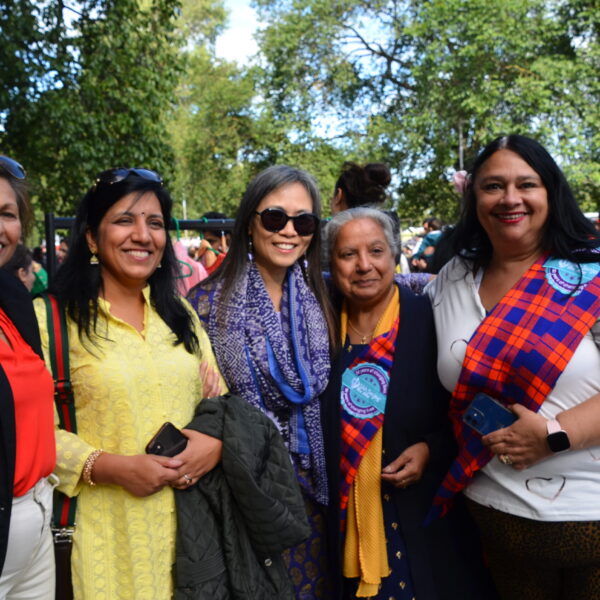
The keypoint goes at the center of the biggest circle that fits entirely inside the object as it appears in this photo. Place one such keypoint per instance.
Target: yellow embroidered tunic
(124, 546)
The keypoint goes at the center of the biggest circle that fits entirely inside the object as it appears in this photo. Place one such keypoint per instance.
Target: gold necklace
(363, 336)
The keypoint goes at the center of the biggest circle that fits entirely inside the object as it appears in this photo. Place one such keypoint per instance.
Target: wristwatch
(558, 439)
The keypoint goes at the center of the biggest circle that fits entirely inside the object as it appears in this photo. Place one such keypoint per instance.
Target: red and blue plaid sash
(358, 433)
(517, 354)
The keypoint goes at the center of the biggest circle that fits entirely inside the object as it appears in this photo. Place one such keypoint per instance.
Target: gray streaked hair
(332, 229)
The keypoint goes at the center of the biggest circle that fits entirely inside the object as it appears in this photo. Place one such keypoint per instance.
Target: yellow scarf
(365, 549)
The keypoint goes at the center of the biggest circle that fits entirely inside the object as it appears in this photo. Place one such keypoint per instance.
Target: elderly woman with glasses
(268, 319)
(135, 350)
(27, 447)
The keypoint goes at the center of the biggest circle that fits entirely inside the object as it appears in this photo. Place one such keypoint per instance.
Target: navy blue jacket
(445, 557)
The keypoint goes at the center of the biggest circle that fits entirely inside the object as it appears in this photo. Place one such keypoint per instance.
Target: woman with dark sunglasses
(135, 352)
(27, 447)
(268, 316)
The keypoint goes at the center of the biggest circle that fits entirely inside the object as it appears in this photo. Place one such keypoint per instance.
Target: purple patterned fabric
(278, 363)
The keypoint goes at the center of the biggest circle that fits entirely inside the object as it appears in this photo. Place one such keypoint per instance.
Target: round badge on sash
(569, 278)
(364, 390)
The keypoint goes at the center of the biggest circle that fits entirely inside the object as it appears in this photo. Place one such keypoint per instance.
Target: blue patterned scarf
(278, 363)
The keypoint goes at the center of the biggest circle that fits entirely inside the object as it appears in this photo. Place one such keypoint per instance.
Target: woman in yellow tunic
(135, 352)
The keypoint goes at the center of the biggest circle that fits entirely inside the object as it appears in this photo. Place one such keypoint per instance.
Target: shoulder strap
(58, 346)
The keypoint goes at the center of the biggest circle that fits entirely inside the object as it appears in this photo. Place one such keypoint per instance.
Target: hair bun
(379, 173)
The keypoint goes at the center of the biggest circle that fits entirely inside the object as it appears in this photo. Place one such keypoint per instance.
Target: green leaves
(95, 95)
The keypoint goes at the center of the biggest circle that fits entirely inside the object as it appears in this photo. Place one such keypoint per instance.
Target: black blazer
(445, 556)
(16, 302)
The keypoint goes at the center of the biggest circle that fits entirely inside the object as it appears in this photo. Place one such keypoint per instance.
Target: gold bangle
(86, 474)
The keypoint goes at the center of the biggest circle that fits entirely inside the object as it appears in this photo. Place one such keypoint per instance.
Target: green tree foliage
(88, 88)
(222, 131)
(426, 82)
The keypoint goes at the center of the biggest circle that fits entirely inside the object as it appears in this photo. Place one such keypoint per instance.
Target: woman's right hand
(141, 474)
(211, 382)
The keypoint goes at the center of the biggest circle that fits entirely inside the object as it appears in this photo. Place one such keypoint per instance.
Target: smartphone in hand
(167, 441)
(485, 414)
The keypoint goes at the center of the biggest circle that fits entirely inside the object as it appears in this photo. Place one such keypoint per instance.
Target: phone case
(168, 441)
(485, 414)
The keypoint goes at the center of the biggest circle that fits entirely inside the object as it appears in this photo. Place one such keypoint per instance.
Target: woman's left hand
(201, 455)
(523, 443)
(408, 467)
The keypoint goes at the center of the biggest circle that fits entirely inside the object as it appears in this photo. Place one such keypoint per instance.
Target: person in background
(388, 438)
(422, 256)
(21, 266)
(357, 186)
(27, 446)
(269, 319)
(136, 352)
(63, 250)
(214, 244)
(517, 317)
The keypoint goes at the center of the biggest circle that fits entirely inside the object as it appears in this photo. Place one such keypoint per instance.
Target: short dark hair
(78, 283)
(434, 223)
(22, 258)
(363, 185)
(21, 190)
(236, 260)
(566, 231)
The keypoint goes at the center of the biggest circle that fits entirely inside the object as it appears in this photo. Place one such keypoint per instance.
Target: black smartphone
(485, 414)
(167, 441)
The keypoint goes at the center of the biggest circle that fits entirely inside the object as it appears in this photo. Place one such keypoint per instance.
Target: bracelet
(86, 474)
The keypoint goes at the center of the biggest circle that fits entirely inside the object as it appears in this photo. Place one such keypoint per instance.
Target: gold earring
(94, 258)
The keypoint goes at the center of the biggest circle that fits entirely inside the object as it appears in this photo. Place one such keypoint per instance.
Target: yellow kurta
(125, 389)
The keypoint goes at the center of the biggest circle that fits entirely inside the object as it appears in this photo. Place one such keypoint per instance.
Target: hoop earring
(250, 250)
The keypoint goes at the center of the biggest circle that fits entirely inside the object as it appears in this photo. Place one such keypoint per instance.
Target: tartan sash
(518, 352)
(357, 433)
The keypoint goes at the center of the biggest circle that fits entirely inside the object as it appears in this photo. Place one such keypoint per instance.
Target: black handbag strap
(64, 507)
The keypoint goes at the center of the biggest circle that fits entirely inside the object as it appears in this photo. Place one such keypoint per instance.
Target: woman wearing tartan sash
(388, 439)
(516, 314)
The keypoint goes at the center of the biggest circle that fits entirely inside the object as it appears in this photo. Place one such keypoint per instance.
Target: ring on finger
(505, 459)
(188, 479)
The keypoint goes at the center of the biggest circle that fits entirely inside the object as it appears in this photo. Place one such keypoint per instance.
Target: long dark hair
(78, 283)
(567, 233)
(236, 261)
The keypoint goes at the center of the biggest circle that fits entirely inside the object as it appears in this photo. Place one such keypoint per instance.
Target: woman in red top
(27, 448)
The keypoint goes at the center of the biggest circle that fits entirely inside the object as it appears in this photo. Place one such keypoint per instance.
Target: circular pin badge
(364, 390)
(569, 278)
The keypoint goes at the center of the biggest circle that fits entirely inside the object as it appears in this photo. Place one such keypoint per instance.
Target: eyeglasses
(120, 174)
(13, 167)
(275, 219)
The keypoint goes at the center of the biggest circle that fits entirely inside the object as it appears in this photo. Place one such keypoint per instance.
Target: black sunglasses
(275, 219)
(116, 175)
(13, 167)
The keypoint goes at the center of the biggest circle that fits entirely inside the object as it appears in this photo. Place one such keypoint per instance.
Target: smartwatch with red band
(557, 438)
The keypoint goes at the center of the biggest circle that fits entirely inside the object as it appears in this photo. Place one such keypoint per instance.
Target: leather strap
(64, 507)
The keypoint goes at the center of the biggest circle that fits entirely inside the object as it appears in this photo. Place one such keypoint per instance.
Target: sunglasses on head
(13, 167)
(275, 219)
(117, 175)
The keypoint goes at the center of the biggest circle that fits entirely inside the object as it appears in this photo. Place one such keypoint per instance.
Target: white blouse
(563, 487)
